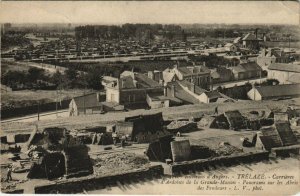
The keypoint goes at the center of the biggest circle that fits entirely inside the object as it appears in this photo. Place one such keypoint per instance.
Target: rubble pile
(225, 149)
(182, 126)
(114, 163)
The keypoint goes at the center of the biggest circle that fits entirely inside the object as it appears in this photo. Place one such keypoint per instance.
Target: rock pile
(115, 163)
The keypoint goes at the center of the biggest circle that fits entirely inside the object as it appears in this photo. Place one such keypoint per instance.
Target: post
(38, 110)
(84, 100)
(56, 104)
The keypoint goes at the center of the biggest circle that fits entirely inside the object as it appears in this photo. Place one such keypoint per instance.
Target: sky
(164, 12)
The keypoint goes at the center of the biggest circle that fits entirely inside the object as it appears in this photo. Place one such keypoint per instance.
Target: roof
(89, 101)
(245, 67)
(228, 45)
(279, 90)
(286, 134)
(168, 76)
(126, 82)
(235, 119)
(213, 94)
(193, 70)
(236, 40)
(250, 37)
(189, 85)
(145, 81)
(295, 78)
(182, 94)
(285, 67)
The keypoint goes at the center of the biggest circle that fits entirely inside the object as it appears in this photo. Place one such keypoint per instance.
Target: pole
(84, 100)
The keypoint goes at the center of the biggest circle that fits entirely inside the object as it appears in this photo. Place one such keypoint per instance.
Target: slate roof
(182, 94)
(187, 84)
(279, 90)
(144, 81)
(195, 70)
(246, 67)
(285, 67)
(89, 100)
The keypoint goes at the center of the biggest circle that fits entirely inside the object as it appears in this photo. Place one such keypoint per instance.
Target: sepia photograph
(150, 97)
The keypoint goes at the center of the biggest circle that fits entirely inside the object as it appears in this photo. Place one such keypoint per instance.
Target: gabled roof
(126, 82)
(279, 90)
(285, 67)
(89, 100)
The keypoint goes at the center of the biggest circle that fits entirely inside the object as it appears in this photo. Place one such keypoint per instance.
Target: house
(200, 75)
(131, 89)
(274, 92)
(264, 59)
(246, 71)
(285, 73)
(86, 104)
(230, 47)
(189, 93)
(221, 74)
(251, 41)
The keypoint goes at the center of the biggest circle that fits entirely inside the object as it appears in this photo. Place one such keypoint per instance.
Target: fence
(34, 109)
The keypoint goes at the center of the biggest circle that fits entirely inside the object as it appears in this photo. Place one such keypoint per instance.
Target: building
(274, 92)
(199, 75)
(230, 47)
(86, 104)
(246, 71)
(131, 89)
(221, 74)
(251, 41)
(189, 93)
(271, 56)
(284, 73)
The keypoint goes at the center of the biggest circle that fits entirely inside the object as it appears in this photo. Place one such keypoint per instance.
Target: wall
(112, 95)
(281, 76)
(78, 185)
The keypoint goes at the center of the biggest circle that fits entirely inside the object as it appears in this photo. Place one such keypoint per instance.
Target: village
(190, 115)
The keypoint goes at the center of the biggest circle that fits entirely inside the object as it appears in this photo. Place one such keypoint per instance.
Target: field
(29, 97)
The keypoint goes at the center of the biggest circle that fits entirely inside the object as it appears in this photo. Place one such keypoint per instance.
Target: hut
(230, 120)
(181, 150)
(145, 128)
(278, 135)
(160, 149)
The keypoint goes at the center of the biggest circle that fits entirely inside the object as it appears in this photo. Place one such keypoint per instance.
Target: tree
(35, 74)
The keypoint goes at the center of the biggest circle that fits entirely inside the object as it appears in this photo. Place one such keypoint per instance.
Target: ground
(181, 112)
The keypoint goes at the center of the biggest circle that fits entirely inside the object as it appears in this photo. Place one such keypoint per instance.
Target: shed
(230, 120)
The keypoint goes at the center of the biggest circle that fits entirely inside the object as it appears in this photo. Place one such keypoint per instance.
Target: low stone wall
(93, 183)
(201, 164)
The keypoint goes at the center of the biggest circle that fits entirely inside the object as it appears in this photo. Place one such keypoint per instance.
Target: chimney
(150, 75)
(192, 88)
(98, 97)
(173, 90)
(204, 64)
